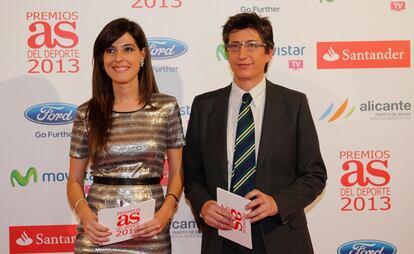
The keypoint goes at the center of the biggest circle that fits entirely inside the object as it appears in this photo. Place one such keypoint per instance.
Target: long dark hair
(99, 112)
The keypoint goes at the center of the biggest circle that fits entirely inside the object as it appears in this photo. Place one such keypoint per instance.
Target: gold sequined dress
(136, 148)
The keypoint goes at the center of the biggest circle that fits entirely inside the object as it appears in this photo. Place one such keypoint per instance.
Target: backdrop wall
(351, 58)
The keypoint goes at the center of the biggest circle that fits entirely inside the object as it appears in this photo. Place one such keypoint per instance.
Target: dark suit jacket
(289, 164)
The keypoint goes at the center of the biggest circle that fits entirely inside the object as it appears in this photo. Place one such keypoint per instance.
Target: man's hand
(216, 216)
(262, 206)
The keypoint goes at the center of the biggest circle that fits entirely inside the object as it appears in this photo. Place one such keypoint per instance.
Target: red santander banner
(363, 54)
(41, 239)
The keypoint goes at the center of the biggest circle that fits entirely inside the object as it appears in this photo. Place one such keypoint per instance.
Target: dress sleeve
(175, 135)
(79, 137)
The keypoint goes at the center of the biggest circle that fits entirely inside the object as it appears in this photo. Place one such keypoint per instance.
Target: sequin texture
(136, 148)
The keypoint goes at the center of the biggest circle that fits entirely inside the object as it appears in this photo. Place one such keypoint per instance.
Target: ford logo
(165, 48)
(51, 113)
(367, 246)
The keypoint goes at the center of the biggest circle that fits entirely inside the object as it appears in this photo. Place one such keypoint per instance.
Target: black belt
(126, 181)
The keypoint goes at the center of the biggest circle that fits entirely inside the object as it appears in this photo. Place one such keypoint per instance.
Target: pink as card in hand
(121, 221)
(241, 232)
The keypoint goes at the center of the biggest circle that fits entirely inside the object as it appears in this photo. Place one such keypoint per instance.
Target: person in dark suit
(282, 165)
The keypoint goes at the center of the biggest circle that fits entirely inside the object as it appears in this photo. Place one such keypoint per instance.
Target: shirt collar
(255, 92)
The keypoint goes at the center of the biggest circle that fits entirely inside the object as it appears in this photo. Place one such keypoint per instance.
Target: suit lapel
(217, 122)
(272, 119)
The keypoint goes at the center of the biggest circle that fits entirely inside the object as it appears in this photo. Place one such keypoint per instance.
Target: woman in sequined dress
(124, 132)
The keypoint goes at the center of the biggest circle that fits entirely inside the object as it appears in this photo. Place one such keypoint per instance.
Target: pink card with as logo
(241, 232)
(121, 221)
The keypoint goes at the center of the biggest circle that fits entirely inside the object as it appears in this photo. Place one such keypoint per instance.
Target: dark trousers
(230, 247)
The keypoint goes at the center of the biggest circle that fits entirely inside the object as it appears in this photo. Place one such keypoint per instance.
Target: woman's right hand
(95, 232)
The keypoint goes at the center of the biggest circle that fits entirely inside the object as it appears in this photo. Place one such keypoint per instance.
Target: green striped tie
(244, 161)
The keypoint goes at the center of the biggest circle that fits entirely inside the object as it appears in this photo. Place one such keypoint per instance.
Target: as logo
(221, 52)
(375, 169)
(238, 222)
(15, 176)
(338, 113)
(127, 219)
(51, 36)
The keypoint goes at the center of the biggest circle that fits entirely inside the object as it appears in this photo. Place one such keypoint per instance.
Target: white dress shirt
(257, 104)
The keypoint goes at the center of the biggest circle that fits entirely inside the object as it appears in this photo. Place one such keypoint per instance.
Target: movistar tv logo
(221, 53)
(397, 5)
(44, 177)
(16, 176)
(338, 113)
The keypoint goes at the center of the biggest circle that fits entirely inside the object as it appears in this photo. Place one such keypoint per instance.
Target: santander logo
(331, 55)
(24, 239)
(42, 238)
(363, 54)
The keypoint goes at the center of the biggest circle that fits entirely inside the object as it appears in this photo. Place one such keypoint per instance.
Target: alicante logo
(16, 176)
(221, 52)
(338, 113)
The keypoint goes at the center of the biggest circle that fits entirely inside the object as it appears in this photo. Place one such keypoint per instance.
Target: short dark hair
(251, 20)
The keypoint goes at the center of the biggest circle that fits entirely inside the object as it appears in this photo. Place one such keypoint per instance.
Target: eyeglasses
(249, 45)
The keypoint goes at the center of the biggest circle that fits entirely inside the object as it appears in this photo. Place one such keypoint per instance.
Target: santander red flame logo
(363, 54)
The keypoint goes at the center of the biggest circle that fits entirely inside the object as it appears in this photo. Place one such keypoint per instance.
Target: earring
(142, 63)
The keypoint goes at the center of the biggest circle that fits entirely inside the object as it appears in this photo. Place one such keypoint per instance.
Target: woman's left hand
(152, 227)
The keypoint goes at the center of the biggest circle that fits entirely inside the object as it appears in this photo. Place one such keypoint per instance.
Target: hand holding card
(122, 220)
(241, 232)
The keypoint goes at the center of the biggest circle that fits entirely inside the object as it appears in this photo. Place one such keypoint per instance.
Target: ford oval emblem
(166, 48)
(55, 113)
(367, 246)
